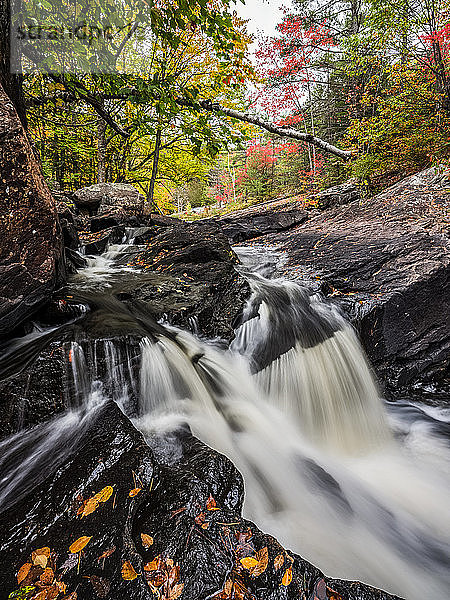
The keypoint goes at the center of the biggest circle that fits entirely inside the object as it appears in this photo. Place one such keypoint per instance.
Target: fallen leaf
(128, 572)
(42, 595)
(52, 592)
(199, 519)
(104, 494)
(320, 590)
(106, 553)
(79, 544)
(287, 577)
(23, 572)
(176, 591)
(62, 587)
(147, 540)
(204, 525)
(88, 507)
(72, 596)
(151, 566)
(211, 504)
(40, 556)
(47, 576)
(248, 562)
(134, 492)
(278, 562)
(262, 556)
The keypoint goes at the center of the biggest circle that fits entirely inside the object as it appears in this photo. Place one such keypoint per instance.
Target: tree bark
(151, 188)
(280, 131)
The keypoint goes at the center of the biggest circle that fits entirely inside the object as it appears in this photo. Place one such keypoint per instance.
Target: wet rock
(96, 243)
(68, 224)
(198, 279)
(31, 252)
(103, 197)
(252, 224)
(193, 552)
(386, 261)
(114, 218)
(339, 194)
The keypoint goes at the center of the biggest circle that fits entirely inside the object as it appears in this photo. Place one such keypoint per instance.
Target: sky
(263, 14)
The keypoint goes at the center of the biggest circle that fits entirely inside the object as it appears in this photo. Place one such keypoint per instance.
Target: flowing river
(357, 486)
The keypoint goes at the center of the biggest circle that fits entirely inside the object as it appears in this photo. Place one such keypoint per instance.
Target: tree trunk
(151, 188)
(11, 82)
(101, 150)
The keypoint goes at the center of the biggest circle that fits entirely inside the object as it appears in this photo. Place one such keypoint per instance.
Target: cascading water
(360, 491)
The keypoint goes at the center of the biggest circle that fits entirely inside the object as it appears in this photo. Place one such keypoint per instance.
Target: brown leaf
(104, 494)
(128, 572)
(174, 574)
(211, 504)
(79, 544)
(176, 591)
(287, 577)
(47, 576)
(106, 553)
(248, 562)
(278, 562)
(23, 572)
(134, 492)
(88, 507)
(147, 540)
(262, 556)
(52, 592)
(101, 586)
(33, 575)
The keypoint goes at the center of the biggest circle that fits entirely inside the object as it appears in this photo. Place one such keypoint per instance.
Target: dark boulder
(31, 251)
(96, 243)
(68, 223)
(104, 197)
(337, 195)
(254, 222)
(150, 527)
(387, 261)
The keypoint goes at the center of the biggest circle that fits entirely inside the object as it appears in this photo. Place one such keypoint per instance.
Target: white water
(360, 491)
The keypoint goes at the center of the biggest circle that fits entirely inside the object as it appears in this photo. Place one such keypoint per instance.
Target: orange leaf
(134, 492)
(147, 540)
(287, 577)
(204, 525)
(249, 562)
(23, 572)
(199, 519)
(79, 544)
(128, 572)
(47, 576)
(278, 561)
(151, 566)
(176, 591)
(211, 504)
(104, 494)
(106, 553)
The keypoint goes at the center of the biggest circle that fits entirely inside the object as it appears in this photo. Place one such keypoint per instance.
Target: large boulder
(102, 197)
(31, 250)
(106, 518)
(339, 194)
(387, 261)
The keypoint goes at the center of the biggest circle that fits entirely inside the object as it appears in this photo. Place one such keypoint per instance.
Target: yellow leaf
(249, 562)
(151, 566)
(128, 572)
(287, 577)
(79, 544)
(278, 562)
(134, 492)
(23, 572)
(147, 540)
(89, 507)
(104, 494)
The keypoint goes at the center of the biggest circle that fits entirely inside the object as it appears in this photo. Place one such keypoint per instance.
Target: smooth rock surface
(103, 197)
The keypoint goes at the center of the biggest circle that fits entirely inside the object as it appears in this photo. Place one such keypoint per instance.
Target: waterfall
(357, 487)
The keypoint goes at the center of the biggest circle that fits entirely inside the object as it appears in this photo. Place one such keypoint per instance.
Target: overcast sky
(263, 14)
